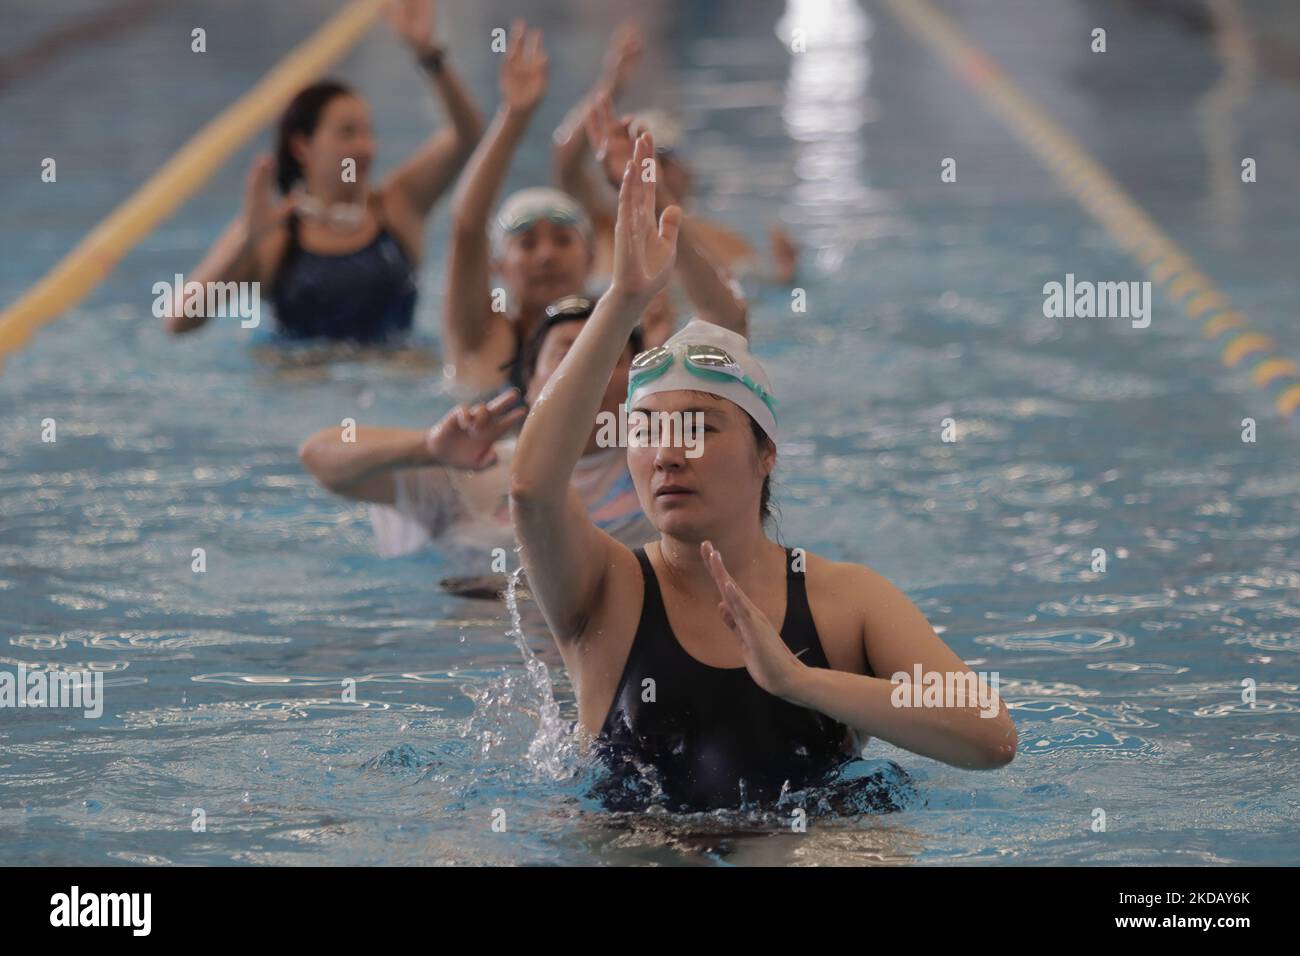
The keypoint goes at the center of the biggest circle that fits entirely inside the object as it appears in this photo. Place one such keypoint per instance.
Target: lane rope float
(1168, 266)
(92, 259)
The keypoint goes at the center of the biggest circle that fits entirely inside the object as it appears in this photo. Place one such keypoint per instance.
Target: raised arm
(565, 554)
(243, 251)
(570, 153)
(467, 319)
(421, 180)
(362, 467)
(711, 290)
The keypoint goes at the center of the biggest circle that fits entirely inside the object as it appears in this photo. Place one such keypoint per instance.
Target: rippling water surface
(223, 689)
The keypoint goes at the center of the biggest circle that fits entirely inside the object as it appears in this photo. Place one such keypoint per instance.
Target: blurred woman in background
(338, 255)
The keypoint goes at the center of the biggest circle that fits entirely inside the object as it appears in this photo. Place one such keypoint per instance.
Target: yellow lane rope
(98, 253)
(1094, 189)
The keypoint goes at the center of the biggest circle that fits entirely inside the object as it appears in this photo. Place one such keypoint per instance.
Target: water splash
(553, 748)
(513, 707)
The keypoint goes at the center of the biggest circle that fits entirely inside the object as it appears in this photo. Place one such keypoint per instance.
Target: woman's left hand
(466, 436)
(622, 56)
(412, 21)
(610, 137)
(768, 659)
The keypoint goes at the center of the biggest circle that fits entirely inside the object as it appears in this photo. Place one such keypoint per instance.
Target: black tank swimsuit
(365, 296)
(712, 738)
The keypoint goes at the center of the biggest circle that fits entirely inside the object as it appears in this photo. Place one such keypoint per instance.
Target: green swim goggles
(705, 361)
(529, 218)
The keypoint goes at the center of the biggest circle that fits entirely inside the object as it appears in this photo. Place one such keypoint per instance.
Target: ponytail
(301, 117)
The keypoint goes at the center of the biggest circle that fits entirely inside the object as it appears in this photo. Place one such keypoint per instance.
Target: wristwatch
(431, 60)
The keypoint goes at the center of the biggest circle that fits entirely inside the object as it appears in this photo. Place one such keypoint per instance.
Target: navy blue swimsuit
(366, 296)
(712, 738)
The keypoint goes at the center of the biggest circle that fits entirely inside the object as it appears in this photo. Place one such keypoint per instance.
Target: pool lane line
(1168, 266)
(91, 260)
(96, 27)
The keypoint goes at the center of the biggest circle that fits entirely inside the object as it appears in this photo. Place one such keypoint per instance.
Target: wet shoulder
(617, 607)
(840, 594)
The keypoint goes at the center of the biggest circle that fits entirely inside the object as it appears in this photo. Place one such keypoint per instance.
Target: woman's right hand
(523, 74)
(621, 57)
(467, 435)
(412, 21)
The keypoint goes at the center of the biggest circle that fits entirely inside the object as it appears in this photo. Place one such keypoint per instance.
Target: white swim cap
(704, 357)
(522, 209)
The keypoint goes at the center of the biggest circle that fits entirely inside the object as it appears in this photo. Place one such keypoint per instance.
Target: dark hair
(301, 116)
(765, 496)
(524, 365)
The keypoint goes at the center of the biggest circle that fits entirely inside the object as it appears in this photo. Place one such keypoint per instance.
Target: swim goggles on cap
(706, 361)
(524, 219)
(570, 307)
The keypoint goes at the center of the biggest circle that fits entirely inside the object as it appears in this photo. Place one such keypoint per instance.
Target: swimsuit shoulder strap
(384, 230)
(641, 656)
(800, 630)
(288, 261)
(653, 614)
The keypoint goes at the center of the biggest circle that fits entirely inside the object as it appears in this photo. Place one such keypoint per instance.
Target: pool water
(924, 303)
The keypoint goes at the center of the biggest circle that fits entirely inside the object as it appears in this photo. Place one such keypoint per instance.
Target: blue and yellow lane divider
(1093, 188)
(90, 262)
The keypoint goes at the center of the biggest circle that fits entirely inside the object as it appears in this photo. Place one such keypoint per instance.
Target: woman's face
(344, 132)
(690, 495)
(555, 346)
(545, 262)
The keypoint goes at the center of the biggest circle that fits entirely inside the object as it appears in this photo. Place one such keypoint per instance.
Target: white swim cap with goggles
(523, 209)
(704, 357)
(663, 129)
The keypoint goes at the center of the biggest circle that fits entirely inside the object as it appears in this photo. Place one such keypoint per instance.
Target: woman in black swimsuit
(680, 671)
(338, 258)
